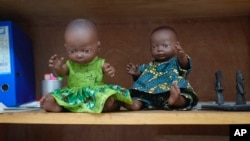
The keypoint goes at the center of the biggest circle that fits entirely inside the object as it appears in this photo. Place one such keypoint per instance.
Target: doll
(162, 83)
(86, 91)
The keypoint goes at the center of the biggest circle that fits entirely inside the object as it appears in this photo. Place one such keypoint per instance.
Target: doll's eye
(71, 51)
(165, 45)
(153, 46)
(87, 51)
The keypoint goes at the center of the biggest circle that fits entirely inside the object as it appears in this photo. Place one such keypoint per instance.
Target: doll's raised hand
(181, 56)
(180, 53)
(133, 69)
(58, 66)
(108, 69)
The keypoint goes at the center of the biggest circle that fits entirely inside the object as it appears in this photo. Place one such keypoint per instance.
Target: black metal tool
(218, 88)
(240, 104)
(240, 90)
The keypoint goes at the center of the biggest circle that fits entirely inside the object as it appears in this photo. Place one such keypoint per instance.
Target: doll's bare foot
(175, 98)
(49, 104)
(135, 106)
(111, 105)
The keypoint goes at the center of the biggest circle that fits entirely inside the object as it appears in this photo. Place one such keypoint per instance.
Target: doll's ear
(98, 43)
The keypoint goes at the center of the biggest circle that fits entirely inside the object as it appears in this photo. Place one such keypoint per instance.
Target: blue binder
(17, 83)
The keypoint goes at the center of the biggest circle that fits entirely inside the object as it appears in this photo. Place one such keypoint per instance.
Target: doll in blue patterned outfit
(162, 83)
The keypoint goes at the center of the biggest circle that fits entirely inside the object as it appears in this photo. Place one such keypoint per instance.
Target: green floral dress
(86, 91)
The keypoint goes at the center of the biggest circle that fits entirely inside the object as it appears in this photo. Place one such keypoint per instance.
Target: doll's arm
(133, 71)
(108, 69)
(182, 57)
(58, 66)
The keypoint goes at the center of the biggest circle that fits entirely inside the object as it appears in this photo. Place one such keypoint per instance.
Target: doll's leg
(49, 104)
(111, 105)
(136, 106)
(175, 98)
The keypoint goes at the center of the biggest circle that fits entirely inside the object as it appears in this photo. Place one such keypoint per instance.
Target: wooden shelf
(130, 10)
(130, 118)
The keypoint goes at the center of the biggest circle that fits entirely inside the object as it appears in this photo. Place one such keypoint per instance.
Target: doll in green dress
(85, 91)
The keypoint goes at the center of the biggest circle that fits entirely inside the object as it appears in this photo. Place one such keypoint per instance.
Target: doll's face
(81, 45)
(163, 45)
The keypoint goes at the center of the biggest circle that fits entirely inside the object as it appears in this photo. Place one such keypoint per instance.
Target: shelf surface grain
(121, 10)
(129, 118)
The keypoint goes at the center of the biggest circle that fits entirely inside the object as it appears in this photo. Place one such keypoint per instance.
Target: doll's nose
(160, 48)
(79, 55)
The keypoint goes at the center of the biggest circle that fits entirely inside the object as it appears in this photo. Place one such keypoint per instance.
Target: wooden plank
(130, 118)
(122, 10)
(192, 138)
(38, 132)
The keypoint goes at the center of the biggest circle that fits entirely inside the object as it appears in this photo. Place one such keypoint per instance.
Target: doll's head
(163, 41)
(81, 41)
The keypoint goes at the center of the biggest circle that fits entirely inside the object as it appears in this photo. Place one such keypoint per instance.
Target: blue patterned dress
(153, 85)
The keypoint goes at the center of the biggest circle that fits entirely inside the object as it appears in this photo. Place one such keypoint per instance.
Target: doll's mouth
(160, 55)
(80, 61)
